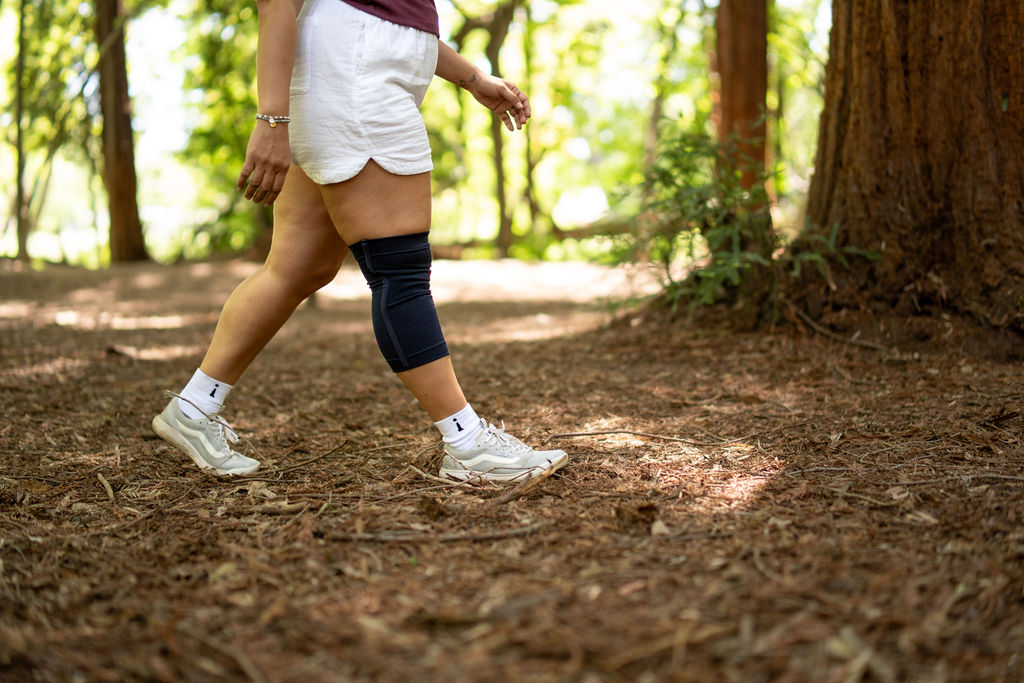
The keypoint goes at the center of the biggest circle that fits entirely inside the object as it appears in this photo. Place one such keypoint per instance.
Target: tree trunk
(742, 56)
(498, 31)
(497, 25)
(126, 242)
(668, 46)
(20, 205)
(921, 156)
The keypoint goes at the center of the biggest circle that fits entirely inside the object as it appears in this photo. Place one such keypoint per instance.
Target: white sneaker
(204, 440)
(500, 457)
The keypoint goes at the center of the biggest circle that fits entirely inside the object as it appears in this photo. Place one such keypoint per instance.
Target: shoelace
(225, 435)
(505, 441)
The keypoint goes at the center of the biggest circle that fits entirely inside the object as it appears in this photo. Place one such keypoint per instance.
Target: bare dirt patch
(770, 506)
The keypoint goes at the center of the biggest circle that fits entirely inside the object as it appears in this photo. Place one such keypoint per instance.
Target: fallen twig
(959, 477)
(285, 509)
(405, 537)
(832, 335)
(310, 461)
(879, 503)
(521, 489)
(440, 480)
(106, 486)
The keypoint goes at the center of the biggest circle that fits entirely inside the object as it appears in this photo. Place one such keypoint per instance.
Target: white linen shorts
(357, 85)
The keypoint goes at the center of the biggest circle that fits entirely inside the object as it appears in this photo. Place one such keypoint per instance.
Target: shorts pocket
(426, 59)
(302, 69)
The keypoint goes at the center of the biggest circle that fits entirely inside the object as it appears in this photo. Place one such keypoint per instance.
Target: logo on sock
(215, 388)
(458, 425)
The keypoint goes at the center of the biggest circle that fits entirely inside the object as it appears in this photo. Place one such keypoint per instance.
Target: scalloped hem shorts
(357, 85)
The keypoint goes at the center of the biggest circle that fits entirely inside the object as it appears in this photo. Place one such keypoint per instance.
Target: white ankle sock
(461, 429)
(203, 393)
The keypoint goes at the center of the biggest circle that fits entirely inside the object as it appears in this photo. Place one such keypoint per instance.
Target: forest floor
(776, 505)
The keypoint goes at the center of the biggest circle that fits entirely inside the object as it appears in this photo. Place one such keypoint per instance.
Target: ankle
(203, 395)
(461, 429)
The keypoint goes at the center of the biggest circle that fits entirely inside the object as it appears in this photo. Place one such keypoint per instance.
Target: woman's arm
(268, 156)
(500, 96)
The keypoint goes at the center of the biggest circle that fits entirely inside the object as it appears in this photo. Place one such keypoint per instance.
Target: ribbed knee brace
(404, 317)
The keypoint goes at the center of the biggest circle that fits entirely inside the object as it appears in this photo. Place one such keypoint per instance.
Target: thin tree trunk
(497, 25)
(498, 32)
(921, 157)
(531, 162)
(126, 241)
(20, 205)
(668, 42)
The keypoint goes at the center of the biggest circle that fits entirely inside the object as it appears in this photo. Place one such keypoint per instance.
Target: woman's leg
(305, 254)
(376, 204)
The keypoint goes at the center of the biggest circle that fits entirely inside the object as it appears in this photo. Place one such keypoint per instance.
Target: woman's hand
(267, 158)
(502, 97)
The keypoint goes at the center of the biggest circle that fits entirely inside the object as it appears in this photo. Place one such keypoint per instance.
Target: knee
(305, 277)
(404, 318)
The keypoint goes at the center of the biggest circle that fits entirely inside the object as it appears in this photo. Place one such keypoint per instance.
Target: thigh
(376, 203)
(305, 244)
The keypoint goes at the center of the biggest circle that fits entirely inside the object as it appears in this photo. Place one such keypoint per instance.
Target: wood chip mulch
(742, 507)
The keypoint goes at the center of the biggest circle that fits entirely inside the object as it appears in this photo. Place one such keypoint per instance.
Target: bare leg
(436, 388)
(305, 254)
(377, 204)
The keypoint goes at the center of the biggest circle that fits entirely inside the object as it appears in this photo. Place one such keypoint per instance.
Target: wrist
(273, 120)
(471, 81)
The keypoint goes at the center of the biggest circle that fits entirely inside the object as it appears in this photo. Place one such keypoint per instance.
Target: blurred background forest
(612, 85)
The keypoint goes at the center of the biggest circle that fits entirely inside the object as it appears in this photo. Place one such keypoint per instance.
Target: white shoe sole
(171, 436)
(462, 474)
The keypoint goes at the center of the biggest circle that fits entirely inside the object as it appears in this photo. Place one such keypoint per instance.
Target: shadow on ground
(738, 506)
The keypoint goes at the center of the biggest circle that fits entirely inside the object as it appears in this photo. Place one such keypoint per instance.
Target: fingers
(266, 165)
(508, 102)
(264, 189)
(518, 111)
(243, 178)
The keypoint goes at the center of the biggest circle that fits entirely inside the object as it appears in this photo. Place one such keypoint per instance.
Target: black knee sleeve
(404, 318)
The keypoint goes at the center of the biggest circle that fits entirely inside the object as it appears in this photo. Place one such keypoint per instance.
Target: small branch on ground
(405, 537)
(832, 335)
(521, 489)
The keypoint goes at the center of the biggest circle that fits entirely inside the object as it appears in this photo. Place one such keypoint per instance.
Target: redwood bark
(921, 156)
(126, 241)
(742, 56)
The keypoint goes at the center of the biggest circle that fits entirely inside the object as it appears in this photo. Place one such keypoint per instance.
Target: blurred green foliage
(602, 76)
(220, 75)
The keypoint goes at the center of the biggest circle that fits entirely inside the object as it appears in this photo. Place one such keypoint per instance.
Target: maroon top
(418, 14)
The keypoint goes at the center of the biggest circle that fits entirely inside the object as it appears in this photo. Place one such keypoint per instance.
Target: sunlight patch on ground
(56, 366)
(674, 465)
(64, 365)
(510, 280)
(164, 352)
(105, 320)
(17, 309)
(527, 328)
